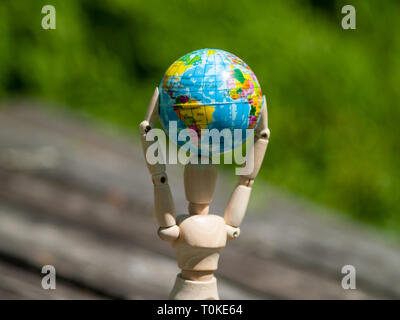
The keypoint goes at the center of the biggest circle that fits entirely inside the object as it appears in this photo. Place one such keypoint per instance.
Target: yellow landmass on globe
(176, 69)
(195, 116)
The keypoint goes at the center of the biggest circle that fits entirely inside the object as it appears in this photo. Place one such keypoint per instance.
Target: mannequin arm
(237, 205)
(163, 202)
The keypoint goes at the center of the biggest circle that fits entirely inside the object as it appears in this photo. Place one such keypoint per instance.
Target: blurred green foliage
(333, 95)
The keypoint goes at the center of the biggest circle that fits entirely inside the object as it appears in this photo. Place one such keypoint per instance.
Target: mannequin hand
(169, 234)
(262, 130)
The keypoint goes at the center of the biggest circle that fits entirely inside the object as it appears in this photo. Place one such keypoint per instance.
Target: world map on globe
(209, 89)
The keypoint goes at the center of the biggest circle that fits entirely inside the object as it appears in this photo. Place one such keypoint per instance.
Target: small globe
(209, 89)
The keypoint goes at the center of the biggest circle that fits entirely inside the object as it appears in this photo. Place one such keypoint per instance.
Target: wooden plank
(130, 228)
(18, 283)
(74, 172)
(92, 259)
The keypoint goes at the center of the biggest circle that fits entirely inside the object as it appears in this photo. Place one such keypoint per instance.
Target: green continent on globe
(210, 89)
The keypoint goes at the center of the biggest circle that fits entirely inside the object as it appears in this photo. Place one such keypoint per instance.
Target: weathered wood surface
(76, 197)
(110, 267)
(19, 283)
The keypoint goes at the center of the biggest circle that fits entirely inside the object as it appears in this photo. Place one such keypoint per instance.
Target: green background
(333, 94)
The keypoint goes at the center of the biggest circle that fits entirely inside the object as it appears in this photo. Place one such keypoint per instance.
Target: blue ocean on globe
(209, 89)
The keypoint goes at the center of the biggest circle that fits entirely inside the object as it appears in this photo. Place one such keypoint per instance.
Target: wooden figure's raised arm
(237, 205)
(163, 202)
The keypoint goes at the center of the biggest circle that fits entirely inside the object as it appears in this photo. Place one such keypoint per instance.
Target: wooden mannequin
(198, 237)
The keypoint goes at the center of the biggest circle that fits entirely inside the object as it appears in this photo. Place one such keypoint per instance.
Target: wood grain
(19, 283)
(59, 171)
(115, 269)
